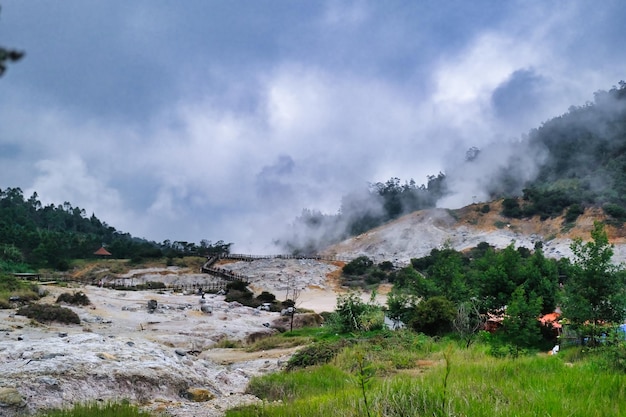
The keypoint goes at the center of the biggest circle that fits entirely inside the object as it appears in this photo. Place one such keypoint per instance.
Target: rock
(205, 308)
(11, 397)
(180, 352)
(198, 394)
(47, 380)
(152, 305)
(106, 356)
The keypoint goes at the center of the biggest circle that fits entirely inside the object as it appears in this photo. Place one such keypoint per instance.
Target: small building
(103, 253)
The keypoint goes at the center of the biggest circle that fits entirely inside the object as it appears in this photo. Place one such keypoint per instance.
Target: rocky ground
(416, 234)
(163, 359)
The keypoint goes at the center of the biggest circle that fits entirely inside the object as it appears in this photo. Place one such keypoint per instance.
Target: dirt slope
(416, 234)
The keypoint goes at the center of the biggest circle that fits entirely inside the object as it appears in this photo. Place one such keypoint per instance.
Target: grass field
(406, 375)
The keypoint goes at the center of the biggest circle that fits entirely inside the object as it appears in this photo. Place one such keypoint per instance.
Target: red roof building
(102, 252)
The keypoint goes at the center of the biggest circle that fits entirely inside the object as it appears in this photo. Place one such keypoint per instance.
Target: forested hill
(33, 235)
(581, 162)
(569, 163)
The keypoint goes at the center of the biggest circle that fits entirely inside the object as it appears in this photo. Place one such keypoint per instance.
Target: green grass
(13, 287)
(478, 385)
(121, 409)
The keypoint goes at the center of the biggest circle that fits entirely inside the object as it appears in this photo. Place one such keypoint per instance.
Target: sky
(223, 120)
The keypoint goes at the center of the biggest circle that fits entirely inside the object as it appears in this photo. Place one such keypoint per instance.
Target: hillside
(415, 235)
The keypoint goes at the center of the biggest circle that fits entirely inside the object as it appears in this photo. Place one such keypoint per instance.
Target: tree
(595, 292)
(352, 314)
(8, 55)
(468, 321)
(358, 266)
(433, 316)
(521, 326)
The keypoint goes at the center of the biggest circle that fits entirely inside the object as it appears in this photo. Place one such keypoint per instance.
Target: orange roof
(102, 251)
(552, 319)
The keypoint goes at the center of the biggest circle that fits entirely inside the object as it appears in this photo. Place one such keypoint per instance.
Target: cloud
(216, 121)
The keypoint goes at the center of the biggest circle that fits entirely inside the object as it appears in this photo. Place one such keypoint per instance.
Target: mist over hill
(569, 163)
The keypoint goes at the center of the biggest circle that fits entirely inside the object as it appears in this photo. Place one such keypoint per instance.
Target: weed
(110, 409)
(77, 298)
(316, 354)
(45, 313)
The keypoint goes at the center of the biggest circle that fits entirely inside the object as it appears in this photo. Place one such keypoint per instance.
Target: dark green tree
(433, 316)
(595, 293)
(521, 327)
(8, 55)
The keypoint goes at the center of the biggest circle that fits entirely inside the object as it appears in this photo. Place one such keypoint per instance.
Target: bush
(573, 212)
(386, 266)
(44, 313)
(358, 266)
(78, 298)
(110, 409)
(615, 211)
(266, 297)
(352, 314)
(237, 285)
(433, 316)
(511, 208)
(317, 353)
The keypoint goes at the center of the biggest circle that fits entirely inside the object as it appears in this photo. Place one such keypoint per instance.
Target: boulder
(198, 394)
(11, 397)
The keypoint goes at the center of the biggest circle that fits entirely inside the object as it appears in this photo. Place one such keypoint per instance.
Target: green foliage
(49, 236)
(595, 293)
(433, 316)
(297, 384)
(616, 211)
(358, 266)
(10, 287)
(521, 327)
(352, 314)
(452, 382)
(108, 409)
(511, 208)
(266, 297)
(468, 321)
(316, 354)
(45, 313)
(77, 298)
(573, 212)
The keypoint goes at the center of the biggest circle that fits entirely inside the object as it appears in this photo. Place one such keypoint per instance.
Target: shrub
(78, 298)
(317, 353)
(433, 316)
(386, 266)
(44, 313)
(122, 409)
(237, 285)
(511, 208)
(352, 314)
(615, 211)
(266, 297)
(358, 266)
(573, 212)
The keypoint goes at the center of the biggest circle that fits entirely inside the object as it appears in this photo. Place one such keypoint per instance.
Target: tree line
(33, 235)
(452, 291)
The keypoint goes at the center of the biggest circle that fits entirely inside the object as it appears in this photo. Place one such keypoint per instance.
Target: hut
(102, 253)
